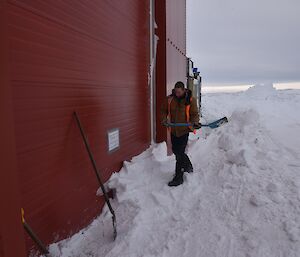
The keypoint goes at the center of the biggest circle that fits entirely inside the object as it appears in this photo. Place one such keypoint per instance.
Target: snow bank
(242, 200)
(261, 91)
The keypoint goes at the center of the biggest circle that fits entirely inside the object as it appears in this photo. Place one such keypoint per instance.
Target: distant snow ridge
(261, 91)
(243, 198)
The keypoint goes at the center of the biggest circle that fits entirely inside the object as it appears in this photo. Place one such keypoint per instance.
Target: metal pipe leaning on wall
(33, 236)
(86, 143)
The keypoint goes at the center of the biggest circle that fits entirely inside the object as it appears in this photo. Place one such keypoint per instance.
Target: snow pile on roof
(242, 200)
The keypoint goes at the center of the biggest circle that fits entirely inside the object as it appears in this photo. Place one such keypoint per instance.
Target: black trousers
(179, 144)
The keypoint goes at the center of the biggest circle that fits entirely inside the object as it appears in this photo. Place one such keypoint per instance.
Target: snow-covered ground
(243, 200)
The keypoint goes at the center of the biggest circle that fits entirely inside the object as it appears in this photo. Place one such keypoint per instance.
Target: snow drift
(242, 200)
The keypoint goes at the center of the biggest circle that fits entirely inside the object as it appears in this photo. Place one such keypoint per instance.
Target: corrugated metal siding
(176, 42)
(11, 230)
(89, 56)
(171, 52)
(161, 69)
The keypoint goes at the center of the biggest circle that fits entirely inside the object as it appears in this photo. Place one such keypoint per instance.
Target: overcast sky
(245, 41)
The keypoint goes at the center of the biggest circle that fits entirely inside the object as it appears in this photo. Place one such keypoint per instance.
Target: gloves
(165, 123)
(197, 125)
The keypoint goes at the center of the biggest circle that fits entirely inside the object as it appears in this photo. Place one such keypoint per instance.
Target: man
(180, 107)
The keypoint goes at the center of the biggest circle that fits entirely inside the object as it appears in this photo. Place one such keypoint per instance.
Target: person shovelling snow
(180, 107)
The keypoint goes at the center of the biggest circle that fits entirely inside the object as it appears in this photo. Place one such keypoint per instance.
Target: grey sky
(245, 41)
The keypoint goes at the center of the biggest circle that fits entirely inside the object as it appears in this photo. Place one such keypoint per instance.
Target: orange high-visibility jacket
(180, 111)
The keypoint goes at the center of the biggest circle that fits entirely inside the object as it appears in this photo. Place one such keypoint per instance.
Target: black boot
(178, 178)
(188, 167)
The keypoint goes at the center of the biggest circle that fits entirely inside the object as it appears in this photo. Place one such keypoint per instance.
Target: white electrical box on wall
(113, 136)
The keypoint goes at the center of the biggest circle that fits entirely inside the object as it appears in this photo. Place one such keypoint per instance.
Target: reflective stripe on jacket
(178, 109)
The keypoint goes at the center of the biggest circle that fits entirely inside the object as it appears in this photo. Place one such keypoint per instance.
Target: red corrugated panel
(11, 229)
(161, 69)
(90, 56)
(171, 52)
(176, 42)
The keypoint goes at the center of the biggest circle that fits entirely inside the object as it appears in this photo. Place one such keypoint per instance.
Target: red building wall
(11, 230)
(171, 52)
(89, 56)
(161, 67)
(176, 42)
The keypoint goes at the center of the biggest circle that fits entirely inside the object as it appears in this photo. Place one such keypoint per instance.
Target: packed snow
(243, 199)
